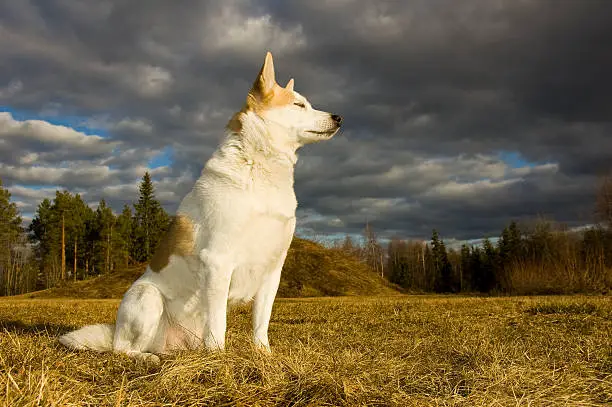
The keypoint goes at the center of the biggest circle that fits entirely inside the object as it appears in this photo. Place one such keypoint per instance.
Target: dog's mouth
(328, 133)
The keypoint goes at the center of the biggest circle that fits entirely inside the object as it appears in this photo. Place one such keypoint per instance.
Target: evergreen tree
(150, 221)
(396, 263)
(510, 248)
(489, 265)
(349, 247)
(476, 270)
(10, 222)
(71, 214)
(10, 238)
(104, 223)
(80, 213)
(429, 269)
(45, 233)
(124, 235)
(59, 230)
(442, 267)
(62, 206)
(510, 244)
(91, 237)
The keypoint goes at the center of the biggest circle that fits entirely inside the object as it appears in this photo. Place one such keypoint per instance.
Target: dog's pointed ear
(289, 85)
(264, 84)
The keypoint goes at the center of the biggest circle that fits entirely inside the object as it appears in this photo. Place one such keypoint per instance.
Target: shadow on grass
(20, 328)
(568, 309)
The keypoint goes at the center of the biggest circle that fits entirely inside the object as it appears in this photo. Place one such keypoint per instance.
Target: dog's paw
(152, 359)
(145, 357)
(263, 347)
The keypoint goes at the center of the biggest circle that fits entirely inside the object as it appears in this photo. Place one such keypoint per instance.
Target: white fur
(243, 211)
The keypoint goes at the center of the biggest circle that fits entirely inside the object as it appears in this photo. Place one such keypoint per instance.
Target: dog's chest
(264, 238)
(271, 221)
(274, 201)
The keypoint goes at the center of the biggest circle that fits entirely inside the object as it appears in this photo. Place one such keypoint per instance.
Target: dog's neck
(264, 147)
(258, 140)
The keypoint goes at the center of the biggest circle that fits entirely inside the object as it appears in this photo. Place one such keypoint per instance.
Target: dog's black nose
(337, 119)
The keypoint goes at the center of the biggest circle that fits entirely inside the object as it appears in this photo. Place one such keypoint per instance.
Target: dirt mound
(311, 270)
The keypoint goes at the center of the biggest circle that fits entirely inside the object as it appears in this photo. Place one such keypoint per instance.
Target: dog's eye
(300, 104)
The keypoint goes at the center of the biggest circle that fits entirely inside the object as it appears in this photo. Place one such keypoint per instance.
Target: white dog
(230, 236)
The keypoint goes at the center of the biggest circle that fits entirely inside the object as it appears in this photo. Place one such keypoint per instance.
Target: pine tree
(489, 266)
(104, 223)
(10, 221)
(10, 238)
(45, 233)
(397, 269)
(124, 235)
(60, 231)
(442, 267)
(476, 270)
(348, 246)
(71, 214)
(510, 245)
(150, 221)
(80, 213)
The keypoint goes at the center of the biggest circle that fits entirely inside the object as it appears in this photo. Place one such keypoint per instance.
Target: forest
(68, 240)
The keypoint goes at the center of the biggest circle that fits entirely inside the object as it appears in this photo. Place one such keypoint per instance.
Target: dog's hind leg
(139, 320)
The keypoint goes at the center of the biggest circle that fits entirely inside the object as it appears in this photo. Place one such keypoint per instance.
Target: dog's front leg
(262, 308)
(216, 278)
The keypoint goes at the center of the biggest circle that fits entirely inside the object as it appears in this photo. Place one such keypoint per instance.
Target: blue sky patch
(515, 159)
(164, 158)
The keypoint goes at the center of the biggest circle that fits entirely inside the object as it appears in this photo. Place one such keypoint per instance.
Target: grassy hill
(311, 270)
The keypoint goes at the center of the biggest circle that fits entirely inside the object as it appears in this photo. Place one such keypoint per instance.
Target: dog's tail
(93, 337)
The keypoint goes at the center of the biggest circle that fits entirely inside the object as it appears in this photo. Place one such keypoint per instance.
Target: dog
(229, 239)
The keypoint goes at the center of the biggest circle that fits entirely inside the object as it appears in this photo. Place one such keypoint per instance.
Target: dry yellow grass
(383, 351)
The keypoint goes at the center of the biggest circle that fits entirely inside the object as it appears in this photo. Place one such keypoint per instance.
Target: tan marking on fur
(265, 94)
(235, 123)
(179, 240)
(277, 97)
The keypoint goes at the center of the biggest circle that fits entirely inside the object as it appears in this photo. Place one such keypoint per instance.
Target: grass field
(382, 351)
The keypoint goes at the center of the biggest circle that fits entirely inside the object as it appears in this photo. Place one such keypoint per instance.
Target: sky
(458, 115)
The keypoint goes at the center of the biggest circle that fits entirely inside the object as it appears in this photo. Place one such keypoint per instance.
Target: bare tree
(604, 201)
(374, 254)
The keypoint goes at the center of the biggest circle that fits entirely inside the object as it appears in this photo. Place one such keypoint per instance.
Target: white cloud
(37, 194)
(152, 80)
(29, 137)
(549, 168)
(453, 189)
(233, 30)
(134, 125)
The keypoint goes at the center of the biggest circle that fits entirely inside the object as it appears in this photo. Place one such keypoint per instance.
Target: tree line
(540, 257)
(543, 258)
(69, 240)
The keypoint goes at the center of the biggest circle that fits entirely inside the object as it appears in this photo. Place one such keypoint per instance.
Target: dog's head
(286, 108)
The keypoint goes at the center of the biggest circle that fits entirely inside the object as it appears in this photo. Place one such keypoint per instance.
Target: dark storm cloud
(431, 92)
